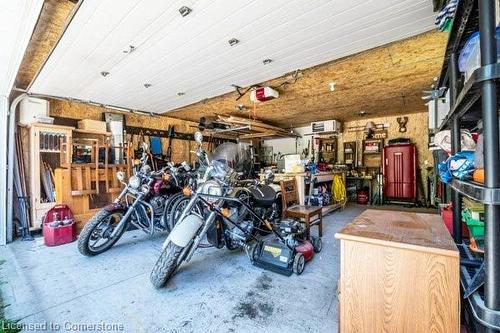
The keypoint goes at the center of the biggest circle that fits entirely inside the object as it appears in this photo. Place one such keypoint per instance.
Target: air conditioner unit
(32, 110)
(327, 126)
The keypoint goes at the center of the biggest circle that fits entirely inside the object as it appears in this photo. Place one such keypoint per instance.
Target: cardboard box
(92, 125)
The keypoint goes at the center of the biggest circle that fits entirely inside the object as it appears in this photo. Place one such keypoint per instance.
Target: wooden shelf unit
(84, 186)
(45, 143)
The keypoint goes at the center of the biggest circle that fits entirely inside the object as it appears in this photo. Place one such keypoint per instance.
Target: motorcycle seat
(263, 195)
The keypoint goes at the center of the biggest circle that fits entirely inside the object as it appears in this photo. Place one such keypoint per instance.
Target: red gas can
(362, 197)
(59, 226)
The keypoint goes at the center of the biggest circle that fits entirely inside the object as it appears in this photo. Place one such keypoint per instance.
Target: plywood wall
(387, 80)
(417, 132)
(180, 148)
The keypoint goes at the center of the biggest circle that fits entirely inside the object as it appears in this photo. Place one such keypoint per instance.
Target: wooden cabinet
(399, 273)
(46, 154)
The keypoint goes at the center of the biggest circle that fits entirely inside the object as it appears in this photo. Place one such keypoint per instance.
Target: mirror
(269, 177)
(198, 137)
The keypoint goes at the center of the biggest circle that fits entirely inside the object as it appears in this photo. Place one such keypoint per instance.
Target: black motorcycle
(217, 212)
(142, 203)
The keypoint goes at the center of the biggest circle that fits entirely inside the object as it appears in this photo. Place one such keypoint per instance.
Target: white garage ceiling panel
(191, 55)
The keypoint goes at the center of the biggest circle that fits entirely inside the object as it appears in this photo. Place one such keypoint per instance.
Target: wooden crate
(399, 273)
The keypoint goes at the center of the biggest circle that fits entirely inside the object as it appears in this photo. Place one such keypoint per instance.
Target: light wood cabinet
(46, 143)
(399, 273)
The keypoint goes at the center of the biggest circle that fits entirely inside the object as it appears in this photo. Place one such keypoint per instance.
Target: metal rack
(470, 101)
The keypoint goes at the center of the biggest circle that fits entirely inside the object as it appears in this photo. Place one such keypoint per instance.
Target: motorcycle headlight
(120, 175)
(145, 169)
(212, 188)
(145, 188)
(134, 182)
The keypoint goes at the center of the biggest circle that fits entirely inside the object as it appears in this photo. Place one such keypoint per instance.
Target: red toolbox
(59, 226)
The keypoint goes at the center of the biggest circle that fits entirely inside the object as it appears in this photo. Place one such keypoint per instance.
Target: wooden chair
(291, 208)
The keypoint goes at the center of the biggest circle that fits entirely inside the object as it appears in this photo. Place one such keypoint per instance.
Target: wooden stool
(291, 208)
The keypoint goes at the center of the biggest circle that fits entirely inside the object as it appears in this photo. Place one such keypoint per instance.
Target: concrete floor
(218, 291)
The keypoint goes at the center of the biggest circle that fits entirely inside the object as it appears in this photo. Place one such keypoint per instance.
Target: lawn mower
(286, 250)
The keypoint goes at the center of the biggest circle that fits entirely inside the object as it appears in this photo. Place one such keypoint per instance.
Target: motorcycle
(217, 212)
(141, 203)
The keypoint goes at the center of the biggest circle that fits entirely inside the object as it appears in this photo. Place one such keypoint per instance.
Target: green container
(476, 227)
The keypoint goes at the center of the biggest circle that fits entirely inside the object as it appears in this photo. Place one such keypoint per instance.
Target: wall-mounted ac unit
(327, 126)
(32, 110)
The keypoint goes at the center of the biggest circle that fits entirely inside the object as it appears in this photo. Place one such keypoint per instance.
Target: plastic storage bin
(59, 226)
(476, 227)
(470, 56)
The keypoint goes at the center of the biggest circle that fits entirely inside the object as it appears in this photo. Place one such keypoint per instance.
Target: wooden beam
(257, 135)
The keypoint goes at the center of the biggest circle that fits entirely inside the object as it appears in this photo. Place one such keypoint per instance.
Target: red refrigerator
(400, 172)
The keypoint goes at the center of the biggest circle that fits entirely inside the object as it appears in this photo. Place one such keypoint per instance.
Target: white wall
(287, 145)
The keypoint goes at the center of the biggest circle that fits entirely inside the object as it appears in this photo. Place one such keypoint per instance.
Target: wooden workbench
(301, 179)
(399, 273)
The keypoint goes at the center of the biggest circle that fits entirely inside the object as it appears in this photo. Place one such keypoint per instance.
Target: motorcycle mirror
(198, 137)
(269, 177)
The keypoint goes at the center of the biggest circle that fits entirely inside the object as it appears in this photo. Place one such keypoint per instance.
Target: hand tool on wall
(171, 133)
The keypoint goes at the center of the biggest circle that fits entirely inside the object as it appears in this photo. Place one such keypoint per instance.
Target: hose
(338, 190)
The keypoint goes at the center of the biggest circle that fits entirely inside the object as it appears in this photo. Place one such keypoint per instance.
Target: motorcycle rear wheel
(88, 233)
(165, 266)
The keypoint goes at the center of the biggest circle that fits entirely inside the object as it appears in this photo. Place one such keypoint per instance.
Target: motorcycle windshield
(230, 157)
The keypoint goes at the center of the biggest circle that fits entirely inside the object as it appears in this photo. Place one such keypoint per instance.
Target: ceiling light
(181, 94)
(332, 86)
(267, 61)
(147, 85)
(241, 107)
(104, 73)
(362, 113)
(185, 11)
(233, 41)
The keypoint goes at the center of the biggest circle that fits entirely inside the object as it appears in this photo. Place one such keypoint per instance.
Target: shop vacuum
(286, 250)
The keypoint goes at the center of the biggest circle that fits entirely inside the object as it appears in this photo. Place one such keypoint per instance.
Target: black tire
(85, 236)
(317, 244)
(168, 208)
(176, 210)
(178, 207)
(172, 212)
(165, 266)
(299, 263)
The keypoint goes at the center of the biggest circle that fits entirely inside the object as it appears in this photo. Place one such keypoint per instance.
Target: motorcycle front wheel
(95, 236)
(165, 265)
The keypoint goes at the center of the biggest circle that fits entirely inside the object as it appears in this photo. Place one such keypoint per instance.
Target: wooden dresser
(399, 273)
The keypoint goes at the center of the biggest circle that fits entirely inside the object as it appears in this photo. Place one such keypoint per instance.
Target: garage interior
(238, 166)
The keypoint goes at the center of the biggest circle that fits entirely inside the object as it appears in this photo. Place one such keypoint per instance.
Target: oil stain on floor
(253, 305)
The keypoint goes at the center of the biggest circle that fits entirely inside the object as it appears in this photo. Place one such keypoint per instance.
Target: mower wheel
(254, 251)
(298, 263)
(317, 244)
